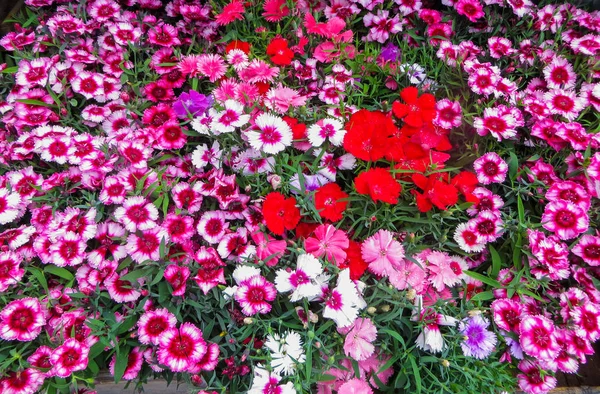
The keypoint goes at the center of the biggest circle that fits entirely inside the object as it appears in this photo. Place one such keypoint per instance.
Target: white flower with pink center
(301, 281)
(487, 225)
(212, 226)
(254, 294)
(227, 120)
(71, 356)
(137, 214)
(326, 129)
(153, 323)
(497, 122)
(271, 134)
(68, 250)
(22, 320)
(559, 74)
(565, 103)
(431, 339)
(588, 248)
(9, 206)
(203, 155)
(343, 302)
(145, 245)
(180, 349)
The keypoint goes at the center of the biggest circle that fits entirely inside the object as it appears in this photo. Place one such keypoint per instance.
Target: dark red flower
(379, 184)
(355, 261)
(416, 110)
(368, 134)
(279, 52)
(305, 230)
(466, 182)
(298, 129)
(328, 202)
(280, 213)
(436, 192)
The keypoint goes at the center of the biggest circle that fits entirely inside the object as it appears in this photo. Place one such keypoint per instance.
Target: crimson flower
(237, 44)
(368, 134)
(436, 192)
(380, 184)
(280, 213)
(328, 202)
(279, 52)
(416, 110)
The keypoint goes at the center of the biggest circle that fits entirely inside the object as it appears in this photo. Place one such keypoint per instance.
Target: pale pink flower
(281, 98)
(381, 251)
(359, 341)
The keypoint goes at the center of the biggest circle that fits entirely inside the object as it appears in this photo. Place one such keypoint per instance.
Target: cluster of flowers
(201, 189)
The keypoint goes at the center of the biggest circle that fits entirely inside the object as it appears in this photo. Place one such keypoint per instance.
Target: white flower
(204, 155)
(227, 120)
(264, 382)
(343, 302)
(286, 352)
(326, 129)
(272, 134)
(301, 282)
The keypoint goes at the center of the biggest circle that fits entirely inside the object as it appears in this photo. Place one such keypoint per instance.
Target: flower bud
(248, 320)
(371, 310)
(446, 363)
(474, 312)
(411, 294)
(385, 308)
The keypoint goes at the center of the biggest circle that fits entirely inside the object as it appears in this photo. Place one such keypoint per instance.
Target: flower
(152, 324)
(478, 342)
(368, 134)
(490, 168)
(191, 104)
(355, 386)
(329, 242)
(26, 381)
(329, 202)
(532, 380)
(381, 251)
(267, 382)
(10, 270)
(280, 213)
(416, 110)
(286, 352)
(180, 349)
(537, 337)
(9, 206)
(431, 339)
(229, 119)
(71, 356)
(343, 302)
(468, 239)
(279, 52)
(137, 214)
(379, 184)
(145, 245)
(359, 340)
(211, 66)
(271, 135)
(268, 248)
(301, 281)
(22, 320)
(254, 295)
(231, 12)
(565, 219)
(326, 129)
(588, 248)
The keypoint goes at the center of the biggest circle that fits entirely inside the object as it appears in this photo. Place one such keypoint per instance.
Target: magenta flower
(192, 103)
(537, 337)
(565, 219)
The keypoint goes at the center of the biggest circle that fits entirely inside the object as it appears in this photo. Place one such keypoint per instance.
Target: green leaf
(416, 373)
(484, 279)
(10, 70)
(483, 296)
(513, 166)
(134, 275)
(39, 276)
(58, 271)
(36, 102)
(521, 210)
(121, 363)
(496, 261)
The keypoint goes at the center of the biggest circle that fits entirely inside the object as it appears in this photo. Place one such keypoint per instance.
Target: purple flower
(390, 53)
(478, 342)
(193, 103)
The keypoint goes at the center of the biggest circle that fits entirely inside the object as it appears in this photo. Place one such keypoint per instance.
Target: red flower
(280, 213)
(379, 184)
(298, 129)
(436, 192)
(355, 261)
(279, 52)
(368, 134)
(305, 230)
(466, 182)
(237, 44)
(417, 110)
(327, 202)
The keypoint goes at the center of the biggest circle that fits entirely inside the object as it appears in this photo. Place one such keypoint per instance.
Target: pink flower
(22, 320)
(177, 277)
(281, 98)
(565, 219)
(490, 168)
(445, 270)
(134, 364)
(71, 356)
(268, 248)
(9, 206)
(255, 294)
(381, 251)
(10, 270)
(329, 242)
(355, 386)
(121, 290)
(408, 275)
(211, 66)
(532, 380)
(537, 337)
(137, 214)
(448, 114)
(212, 226)
(27, 381)
(180, 349)
(145, 245)
(153, 323)
(586, 319)
(565, 103)
(588, 248)
(359, 340)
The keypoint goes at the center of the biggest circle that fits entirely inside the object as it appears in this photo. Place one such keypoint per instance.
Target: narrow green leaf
(496, 261)
(121, 363)
(58, 271)
(484, 279)
(416, 373)
(39, 276)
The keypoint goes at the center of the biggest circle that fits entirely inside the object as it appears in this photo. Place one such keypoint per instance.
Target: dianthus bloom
(22, 320)
(329, 202)
(565, 219)
(417, 110)
(180, 349)
(329, 242)
(280, 213)
(379, 184)
(359, 341)
(279, 52)
(368, 134)
(382, 252)
(478, 342)
(490, 168)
